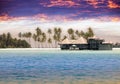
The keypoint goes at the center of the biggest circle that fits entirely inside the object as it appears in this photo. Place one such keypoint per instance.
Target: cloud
(6, 17)
(95, 3)
(61, 3)
(115, 19)
(111, 4)
(40, 17)
(60, 18)
(54, 18)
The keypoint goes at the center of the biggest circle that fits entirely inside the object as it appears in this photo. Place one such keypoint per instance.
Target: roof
(81, 40)
(94, 37)
(65, 41)
(107, 42)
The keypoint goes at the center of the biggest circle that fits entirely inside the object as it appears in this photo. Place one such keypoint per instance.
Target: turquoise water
(59, 67)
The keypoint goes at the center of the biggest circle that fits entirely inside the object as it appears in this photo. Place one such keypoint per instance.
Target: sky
(25, 15)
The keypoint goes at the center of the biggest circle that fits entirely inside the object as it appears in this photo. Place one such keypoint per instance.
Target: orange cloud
(95, 3)
(41, 17)
(45, 18)
(5, 17)
(115, 19)
(108, 19)
(111, 4)
(65, 3)
(38, 17)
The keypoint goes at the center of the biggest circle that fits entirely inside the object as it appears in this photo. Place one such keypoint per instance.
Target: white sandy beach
(29, 48)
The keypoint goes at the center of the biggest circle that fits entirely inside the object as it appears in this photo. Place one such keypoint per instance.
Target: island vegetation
(52, 37)
(6, 41)
(42, 39)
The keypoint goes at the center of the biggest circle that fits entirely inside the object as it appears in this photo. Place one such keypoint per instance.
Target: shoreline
(52, 49)
(30, 49)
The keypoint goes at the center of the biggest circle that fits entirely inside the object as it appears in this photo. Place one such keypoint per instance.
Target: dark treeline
(52, 37)
(6, 41)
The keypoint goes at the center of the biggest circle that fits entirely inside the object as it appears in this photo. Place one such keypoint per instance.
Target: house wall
(64, 46)
(82, 46)
(105, 47)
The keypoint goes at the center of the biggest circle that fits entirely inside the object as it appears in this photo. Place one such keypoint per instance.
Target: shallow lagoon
(36, 66)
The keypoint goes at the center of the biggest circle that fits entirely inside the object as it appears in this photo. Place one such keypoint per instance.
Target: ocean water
(59, 67)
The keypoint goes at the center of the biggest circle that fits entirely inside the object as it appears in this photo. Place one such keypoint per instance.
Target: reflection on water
(59, 67)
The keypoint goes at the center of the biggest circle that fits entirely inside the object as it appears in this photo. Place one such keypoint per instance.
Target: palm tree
(55, 36)
(77, 33)
(82, 33)
(8, 39)
(49, 32)
(64, 37)
(90, 31)
(86, 35)
(20, 35)
(59, 34)
(24, 35)
(73, 37)
(70, 32)
(38, 39)
(49, 41)
(38, 31)
(43, 39)
(4, 38)
(35, 38)
(29, 35)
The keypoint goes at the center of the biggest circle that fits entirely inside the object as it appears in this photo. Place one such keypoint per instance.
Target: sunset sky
(102, 15)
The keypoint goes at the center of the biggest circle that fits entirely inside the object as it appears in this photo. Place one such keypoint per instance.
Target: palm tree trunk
(35, 44)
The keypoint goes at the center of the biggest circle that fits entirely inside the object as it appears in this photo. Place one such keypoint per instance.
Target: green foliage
(49, 31)
(35, 37)
(89, 33)
(64, 38)
(6, 41)
(38, 31)
(49, 40)
(71, 33)
(40, 37)
(57, 34)
(20, 35)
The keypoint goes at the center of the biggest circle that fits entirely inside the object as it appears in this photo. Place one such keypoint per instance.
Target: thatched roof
(81, 40)
(94, 37)
(65, 41)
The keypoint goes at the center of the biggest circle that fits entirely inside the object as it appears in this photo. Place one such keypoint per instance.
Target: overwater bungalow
(92, 43)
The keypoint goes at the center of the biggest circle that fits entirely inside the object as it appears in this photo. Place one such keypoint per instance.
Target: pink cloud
(108, 19)
(95, 3)
(59, 3)
(39, 17)
(111, 4)
(49, 18)
(5, 17)
(45, 18)
(115, 19)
